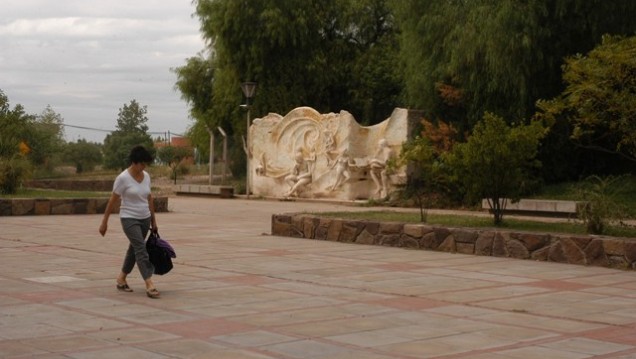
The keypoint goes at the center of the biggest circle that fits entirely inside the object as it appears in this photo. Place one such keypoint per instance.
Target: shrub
(599, 208)
(12, 171)
(496, 162)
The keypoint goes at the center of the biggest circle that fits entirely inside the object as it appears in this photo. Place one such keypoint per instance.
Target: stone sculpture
(312, 155)
(378, 168)
(341, 164)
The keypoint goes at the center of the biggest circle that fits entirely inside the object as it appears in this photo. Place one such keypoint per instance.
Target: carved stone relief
(313, 155)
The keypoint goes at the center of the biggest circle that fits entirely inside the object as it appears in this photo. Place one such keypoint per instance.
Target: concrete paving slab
(238, 292)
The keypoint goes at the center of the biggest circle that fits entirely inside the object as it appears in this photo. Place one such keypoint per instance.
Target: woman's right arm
(109, 209)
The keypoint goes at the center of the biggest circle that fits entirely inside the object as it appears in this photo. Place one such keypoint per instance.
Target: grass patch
(49, 193)
(477, 222)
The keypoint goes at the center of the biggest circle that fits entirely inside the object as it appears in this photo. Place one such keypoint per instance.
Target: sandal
(124, 287)
(153, 293)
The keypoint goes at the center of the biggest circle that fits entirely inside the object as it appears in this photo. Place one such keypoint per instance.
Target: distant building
(177, 141)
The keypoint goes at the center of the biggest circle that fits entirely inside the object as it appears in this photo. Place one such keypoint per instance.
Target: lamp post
(248, 90)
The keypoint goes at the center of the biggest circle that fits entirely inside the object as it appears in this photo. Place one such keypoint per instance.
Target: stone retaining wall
(563, 248)
(47, 206)
(72, 185)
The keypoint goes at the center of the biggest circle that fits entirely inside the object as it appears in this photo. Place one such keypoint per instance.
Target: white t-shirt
(134, 195)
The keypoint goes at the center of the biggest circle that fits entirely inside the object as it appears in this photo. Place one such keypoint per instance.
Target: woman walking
(137, 215)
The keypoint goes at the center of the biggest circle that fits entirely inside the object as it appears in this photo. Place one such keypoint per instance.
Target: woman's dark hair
(139, 154)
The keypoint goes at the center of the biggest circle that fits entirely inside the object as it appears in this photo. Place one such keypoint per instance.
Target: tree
(496, 55)
(83, 155)
(599, 101)
(131, 131)
(16, 127)
(419, 155)
(496, 161)
(328, 54)
(194, 82)
(46, 138)
(132, 118)
(173, 156)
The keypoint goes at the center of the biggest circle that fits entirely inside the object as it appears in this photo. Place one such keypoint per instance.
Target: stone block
(618, 262)
(581, 242)
(538, 205)
(429, 241)
(100, 205)
(499, 245)
(372, 227)
(391, 227)
(566, 207)
(80, 206)
(440, 235)
(556, 254)
(42, 207)
(309, 226)
(413, 230)
(448, 245)
(5, 207)
(322, 229)
(484, 243)
(573, 253)
(297, 226)
(541, 254)
(21, 207)
(91, 206)
(465, 248)
(630, 250)
(365, 238)
(281, 225)
(614, 247)
(210, 190)
(409, 242)
(532, 241)
(389, 240)
(349, 232)
(595, 254)
(516, 249)
(334, 230)
(464, 235)
(61, 206)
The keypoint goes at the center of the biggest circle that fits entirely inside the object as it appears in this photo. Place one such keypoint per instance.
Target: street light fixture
(249, 88)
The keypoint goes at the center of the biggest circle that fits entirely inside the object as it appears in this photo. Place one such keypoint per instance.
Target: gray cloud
(87, 58)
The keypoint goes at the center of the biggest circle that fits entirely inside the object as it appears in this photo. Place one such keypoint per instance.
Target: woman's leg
(136, 231)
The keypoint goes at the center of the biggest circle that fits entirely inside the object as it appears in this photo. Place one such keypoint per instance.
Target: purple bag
(160, 253)
(163, 244)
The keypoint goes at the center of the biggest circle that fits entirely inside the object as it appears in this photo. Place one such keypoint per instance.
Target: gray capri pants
(136, 231)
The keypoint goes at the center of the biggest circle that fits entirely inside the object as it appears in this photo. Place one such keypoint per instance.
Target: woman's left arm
(153, 219)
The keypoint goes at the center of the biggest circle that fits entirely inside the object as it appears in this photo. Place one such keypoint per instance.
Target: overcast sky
(87, 58)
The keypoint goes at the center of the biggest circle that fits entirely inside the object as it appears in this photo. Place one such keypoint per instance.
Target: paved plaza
(238, 292)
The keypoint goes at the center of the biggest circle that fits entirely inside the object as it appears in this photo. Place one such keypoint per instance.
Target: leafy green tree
(173, 156)
(194, 82)
(599, 102)
(131, 131)
(16, 127)
(496, 162)
(420, 158)
(496, 55)
(132, 118)
(328, 54)
(46, 139)
(83, 155)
